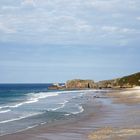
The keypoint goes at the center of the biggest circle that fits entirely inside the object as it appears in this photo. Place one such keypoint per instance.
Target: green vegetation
(133, 80)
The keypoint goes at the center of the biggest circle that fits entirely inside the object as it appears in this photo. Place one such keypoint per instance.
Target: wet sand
(112, 116)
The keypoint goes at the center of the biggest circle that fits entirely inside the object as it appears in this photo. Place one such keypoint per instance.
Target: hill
(133, 80)
(123, 82)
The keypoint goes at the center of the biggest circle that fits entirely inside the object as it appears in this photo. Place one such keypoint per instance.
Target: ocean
(24, 106)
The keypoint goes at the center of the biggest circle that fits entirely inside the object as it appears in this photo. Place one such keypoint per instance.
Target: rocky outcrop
(124, 82)
(79, 84)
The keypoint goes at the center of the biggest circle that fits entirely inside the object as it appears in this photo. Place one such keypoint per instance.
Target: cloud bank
(92, 22)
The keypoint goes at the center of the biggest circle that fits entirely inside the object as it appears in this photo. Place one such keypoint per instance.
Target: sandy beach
(109, 116)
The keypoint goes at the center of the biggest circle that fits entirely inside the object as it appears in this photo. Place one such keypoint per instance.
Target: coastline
(59, 125)
(102, 118)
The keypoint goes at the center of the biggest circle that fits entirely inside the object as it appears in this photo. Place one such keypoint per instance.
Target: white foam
(80, 91)
(2, 107)
(67, 114)
(62, 106)
(5, 111)
(43, 123)
(19, 118)
(33, 97)
(16, 105)
(81, 109)
(29, 127)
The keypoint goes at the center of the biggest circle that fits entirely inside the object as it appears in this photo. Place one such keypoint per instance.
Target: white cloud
(84, 27)
(123, 42)
(109, 28)
(102, 4)
(114, 6)
(138, 18)
(29, 2)
(8, 7)
(115, 29)
(68, 21)
(6, 29)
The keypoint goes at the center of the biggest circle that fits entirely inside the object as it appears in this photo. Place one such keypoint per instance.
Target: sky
(44, 41)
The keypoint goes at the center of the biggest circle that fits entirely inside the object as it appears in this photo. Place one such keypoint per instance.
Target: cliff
(79, 84)
(123, 82)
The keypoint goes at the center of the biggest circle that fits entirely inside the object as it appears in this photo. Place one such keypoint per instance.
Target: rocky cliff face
(124, 82)
(79, 84)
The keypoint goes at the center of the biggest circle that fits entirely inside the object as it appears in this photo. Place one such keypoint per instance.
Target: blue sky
(56, 40)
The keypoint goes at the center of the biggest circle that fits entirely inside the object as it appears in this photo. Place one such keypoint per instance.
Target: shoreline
(96, 122)
(87, 114)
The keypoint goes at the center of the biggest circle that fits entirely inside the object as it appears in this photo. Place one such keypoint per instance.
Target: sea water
(23, 106)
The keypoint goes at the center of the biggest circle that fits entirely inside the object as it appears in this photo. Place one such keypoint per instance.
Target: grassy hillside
(133, 79)
(124, 82)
